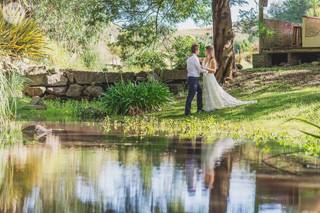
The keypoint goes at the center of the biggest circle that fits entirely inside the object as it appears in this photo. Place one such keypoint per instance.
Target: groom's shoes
(200, 111)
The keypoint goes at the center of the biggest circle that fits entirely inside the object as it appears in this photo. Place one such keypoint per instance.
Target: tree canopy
(289, 10)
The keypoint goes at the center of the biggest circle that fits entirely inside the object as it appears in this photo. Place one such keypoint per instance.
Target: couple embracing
(214, 95)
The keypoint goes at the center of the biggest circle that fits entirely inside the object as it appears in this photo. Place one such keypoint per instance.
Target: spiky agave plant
(310, 124)
(23, 39)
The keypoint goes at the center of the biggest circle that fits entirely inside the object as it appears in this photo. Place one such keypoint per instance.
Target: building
(287, 43)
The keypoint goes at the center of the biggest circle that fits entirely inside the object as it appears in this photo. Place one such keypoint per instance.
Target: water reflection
(61, 175)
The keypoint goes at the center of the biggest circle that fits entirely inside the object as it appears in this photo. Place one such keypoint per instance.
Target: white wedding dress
(215, 97)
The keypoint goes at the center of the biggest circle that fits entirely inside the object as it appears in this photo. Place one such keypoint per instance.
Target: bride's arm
(213, 67)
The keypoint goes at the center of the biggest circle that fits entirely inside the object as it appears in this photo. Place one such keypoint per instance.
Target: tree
(314, 8)
(223, 37)
(289, 10)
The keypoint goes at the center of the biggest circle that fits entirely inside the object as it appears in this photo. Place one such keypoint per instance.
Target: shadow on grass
(267, 104)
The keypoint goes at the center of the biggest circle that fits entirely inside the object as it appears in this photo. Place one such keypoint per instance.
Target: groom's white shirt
(194, 67)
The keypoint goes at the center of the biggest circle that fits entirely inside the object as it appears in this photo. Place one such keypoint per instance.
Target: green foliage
(74, 23)
(243, 46)
(181, 49)
(89, 58)
(130, 98)
(289, 10)
(310, 124)
(24, 39)
(314, 8)
(11, 84)
(150, 60)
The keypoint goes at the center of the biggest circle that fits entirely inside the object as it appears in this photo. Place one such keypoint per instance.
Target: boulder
(141, 76)
(128, 76)
(57, 79)
(89, 78)
(57, 91)
(113, 77)
(34, 91)
(35, 131)
(36, 70)
(37, 80)
(37, 103)
(174, 75)
(74, 91)
(93, 91)
(70, 77)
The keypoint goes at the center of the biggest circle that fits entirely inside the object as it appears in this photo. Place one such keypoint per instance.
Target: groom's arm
(198, 66)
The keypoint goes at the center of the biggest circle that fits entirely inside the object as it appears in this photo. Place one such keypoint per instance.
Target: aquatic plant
(130, 98)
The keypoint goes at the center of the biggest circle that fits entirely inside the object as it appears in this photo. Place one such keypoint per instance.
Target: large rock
(37, 80)
(113, 77)
(141, 76)
(174, 75)
(57, 79)
(37, 103)
(93, 91)
(70, 77)
(85, 78)
(36, 70)
(74, 91)
(57, 91)
(128, 76)
(34, 91)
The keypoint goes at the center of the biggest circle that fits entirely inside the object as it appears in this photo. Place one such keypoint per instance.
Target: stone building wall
(72, 84)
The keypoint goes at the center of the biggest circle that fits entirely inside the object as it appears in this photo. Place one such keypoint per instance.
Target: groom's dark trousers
(193, 89)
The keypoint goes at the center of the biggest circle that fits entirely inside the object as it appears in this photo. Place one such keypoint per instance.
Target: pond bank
(279, 94)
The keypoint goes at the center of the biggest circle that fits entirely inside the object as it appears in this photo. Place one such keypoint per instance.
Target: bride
(214, 95)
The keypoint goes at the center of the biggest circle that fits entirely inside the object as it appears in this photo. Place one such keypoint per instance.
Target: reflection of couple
(212, 155)
(214, 95)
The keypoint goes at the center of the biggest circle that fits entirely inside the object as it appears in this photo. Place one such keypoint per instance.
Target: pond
(78, 168)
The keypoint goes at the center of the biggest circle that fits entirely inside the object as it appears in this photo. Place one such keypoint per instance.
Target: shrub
(181, 50)
(151, 60)
(24, 39)
(133, 99)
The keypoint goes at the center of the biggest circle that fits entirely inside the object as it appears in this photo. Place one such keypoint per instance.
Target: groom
(194, 70)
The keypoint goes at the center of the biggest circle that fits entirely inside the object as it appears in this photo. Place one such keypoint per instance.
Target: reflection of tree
(220, 191)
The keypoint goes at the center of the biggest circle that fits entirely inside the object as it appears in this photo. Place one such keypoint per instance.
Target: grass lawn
(281, 95)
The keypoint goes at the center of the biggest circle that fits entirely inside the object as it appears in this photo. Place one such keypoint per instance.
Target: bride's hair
(210, 49)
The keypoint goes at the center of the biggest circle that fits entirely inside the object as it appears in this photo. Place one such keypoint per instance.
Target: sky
(189, 24)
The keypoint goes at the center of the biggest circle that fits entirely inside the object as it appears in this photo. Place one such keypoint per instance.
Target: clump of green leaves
(23, 39)
(130, 98)
(11, 84)
(150, 60)
(181, 47)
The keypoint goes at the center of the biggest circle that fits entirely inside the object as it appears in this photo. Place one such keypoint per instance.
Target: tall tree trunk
(223, 37)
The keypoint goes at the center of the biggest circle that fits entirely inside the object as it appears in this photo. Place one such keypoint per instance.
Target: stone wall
(72, 84)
